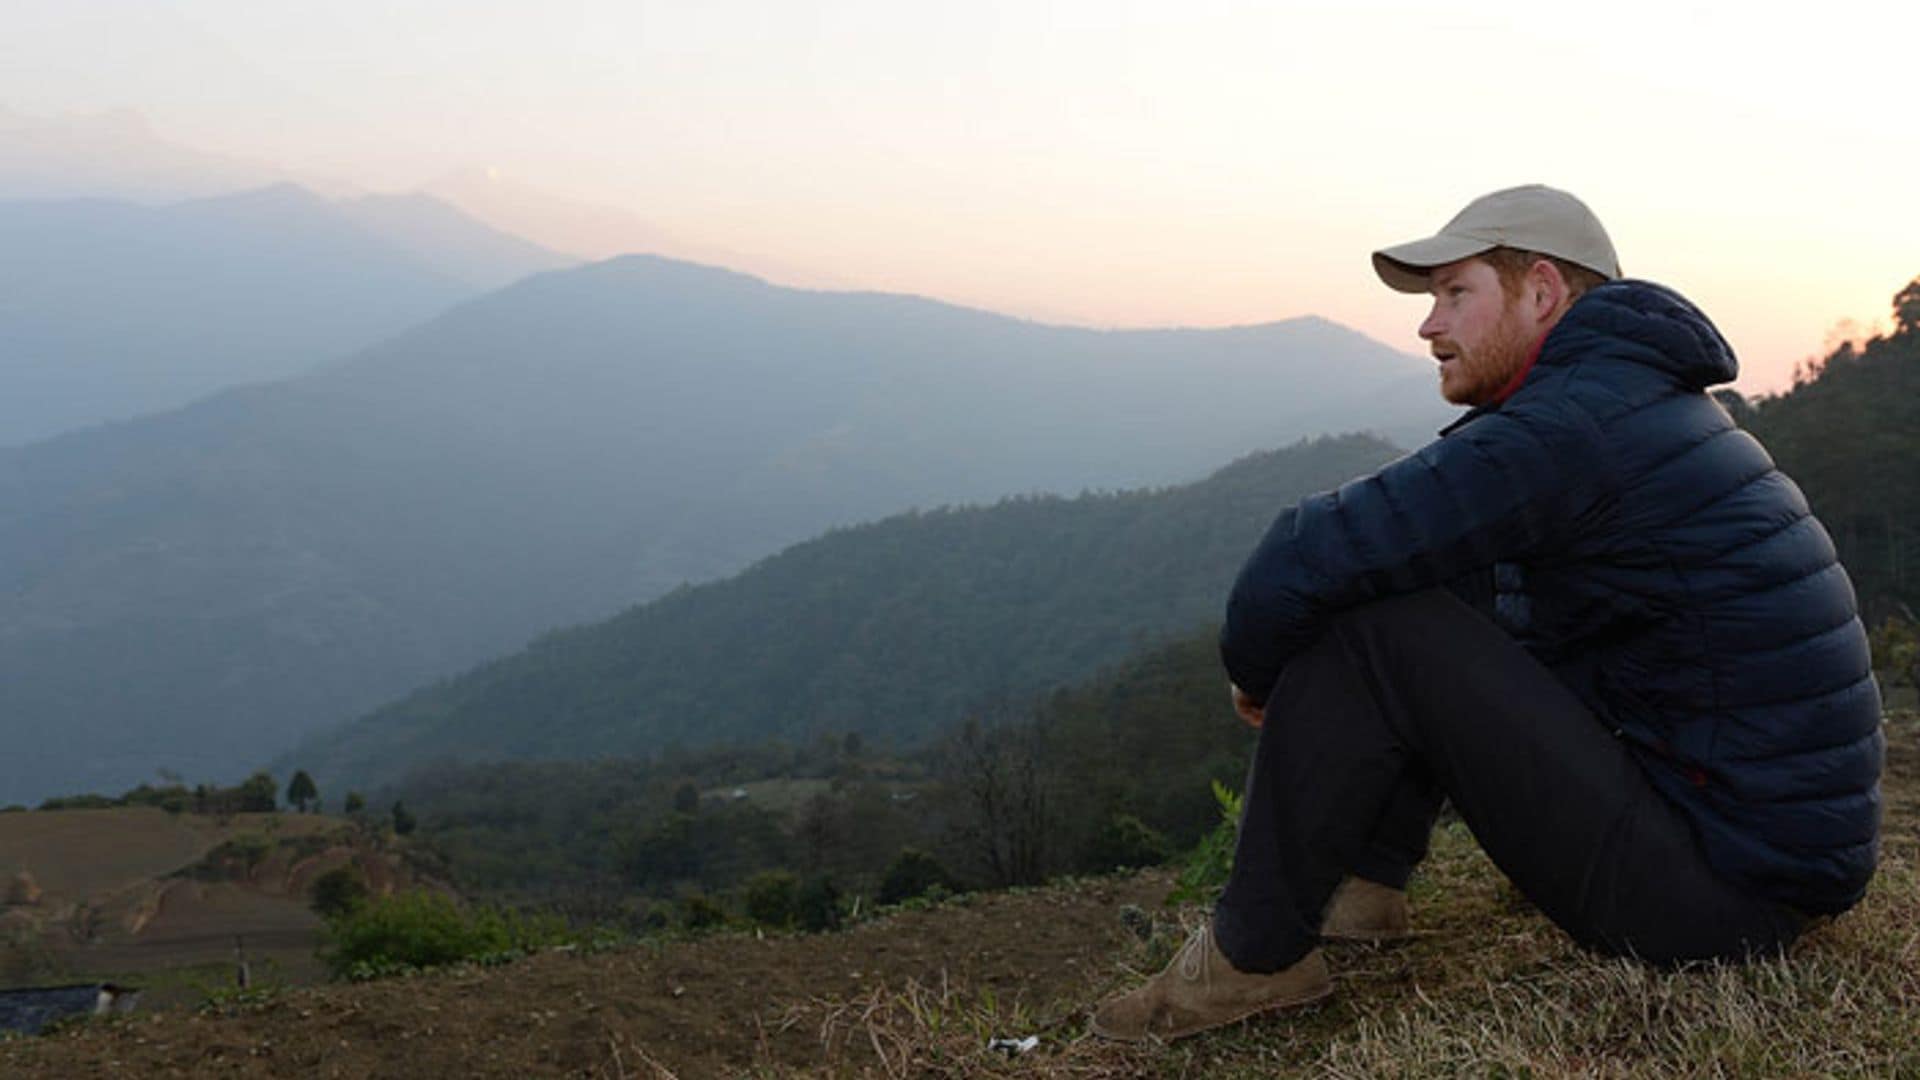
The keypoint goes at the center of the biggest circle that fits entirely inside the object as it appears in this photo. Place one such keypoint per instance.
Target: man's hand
(1249, 710)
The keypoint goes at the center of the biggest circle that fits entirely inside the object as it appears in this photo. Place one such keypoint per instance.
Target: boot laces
(1196, 957)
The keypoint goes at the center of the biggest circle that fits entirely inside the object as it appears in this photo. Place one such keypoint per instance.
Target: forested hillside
(894, 630)
(1116, 771)
(1849, 433)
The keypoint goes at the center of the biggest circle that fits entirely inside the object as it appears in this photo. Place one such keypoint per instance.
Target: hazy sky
(1102, 162)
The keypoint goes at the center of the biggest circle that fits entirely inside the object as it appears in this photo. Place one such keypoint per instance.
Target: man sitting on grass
(1592, 614)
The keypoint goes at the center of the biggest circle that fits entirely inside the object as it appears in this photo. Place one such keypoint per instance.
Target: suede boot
(1362, 910)
(1201, 989)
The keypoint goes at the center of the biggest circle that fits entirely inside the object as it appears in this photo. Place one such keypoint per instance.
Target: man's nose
(1430, 327)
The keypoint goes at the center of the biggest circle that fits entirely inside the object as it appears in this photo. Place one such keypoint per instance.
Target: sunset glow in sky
(1097, 162)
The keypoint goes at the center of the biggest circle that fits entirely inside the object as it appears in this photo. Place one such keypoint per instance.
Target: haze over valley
(197, 588)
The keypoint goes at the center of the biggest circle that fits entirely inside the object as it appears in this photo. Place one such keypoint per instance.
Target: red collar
(1520, 376)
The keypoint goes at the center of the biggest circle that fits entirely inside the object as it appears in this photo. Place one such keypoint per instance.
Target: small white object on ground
(1014, 1046)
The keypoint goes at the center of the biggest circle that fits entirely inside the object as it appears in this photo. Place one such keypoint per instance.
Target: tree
(1906, 309)
(686, 798)
(257, 794)
(1736, 404)
(403, 822)
(301, 791)
(817, 906)
(821, 830)
(1005, 822)
(355, 803)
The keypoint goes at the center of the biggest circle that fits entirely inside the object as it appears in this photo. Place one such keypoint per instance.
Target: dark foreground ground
(1487, 988)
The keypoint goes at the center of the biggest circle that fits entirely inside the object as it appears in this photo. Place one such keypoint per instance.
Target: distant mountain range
(893, 630)
(110, 309)
(595, 231)
(196, 590)
(114, 155)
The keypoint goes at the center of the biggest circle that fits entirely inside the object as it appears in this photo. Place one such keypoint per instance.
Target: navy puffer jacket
(1647, 550)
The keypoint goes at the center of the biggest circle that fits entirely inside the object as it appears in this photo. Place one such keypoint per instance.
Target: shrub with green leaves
(338, 892)
(770, 898)
(1209, 863)
(1125, 842)
(423, 929)
(914, 873)
(698, 911)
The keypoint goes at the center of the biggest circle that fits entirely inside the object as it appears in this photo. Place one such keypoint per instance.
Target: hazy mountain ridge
(197, 589)
(894, 629)
(449, 240)
(112, 309)
(113, 155)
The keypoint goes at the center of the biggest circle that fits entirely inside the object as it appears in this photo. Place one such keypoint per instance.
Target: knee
(1428, 607)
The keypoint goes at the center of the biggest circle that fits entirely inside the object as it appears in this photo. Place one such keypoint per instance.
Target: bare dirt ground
(82, 855)
(115, 900)
(725, 1006)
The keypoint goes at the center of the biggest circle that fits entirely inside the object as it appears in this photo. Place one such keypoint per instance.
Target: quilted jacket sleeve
(1504, 485)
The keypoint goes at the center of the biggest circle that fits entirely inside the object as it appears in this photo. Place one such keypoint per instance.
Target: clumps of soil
(23, 890)
(720, 1006)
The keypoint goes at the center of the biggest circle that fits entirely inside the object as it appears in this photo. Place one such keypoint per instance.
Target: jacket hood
(1647, 324)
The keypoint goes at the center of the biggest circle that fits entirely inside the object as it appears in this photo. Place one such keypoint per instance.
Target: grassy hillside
(1487, 987)
(895, 630)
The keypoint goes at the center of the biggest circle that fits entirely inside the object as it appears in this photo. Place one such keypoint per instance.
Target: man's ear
(1546, 290)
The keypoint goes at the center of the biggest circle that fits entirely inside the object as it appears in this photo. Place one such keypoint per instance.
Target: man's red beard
(1473, 377)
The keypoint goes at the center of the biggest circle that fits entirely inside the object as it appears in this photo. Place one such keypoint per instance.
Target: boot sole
(1317, 994)
(1366, 937)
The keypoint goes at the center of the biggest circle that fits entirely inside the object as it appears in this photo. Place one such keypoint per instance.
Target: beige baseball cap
(1529, 218)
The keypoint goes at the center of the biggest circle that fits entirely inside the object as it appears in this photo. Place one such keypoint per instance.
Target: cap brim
(1406, 267)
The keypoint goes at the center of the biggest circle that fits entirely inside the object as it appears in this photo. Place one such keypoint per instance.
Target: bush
(424, 929)
(914, 873)
(1209, 863)
(701, 912)
(1126, 842)
(339, 892)
(249, 848)
(770, 897)
(817, 907)
(1896, 651)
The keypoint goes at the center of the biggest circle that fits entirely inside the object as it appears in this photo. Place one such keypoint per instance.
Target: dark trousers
(1408, 701)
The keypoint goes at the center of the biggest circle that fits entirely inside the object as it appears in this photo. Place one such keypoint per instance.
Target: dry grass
(1489, 988)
